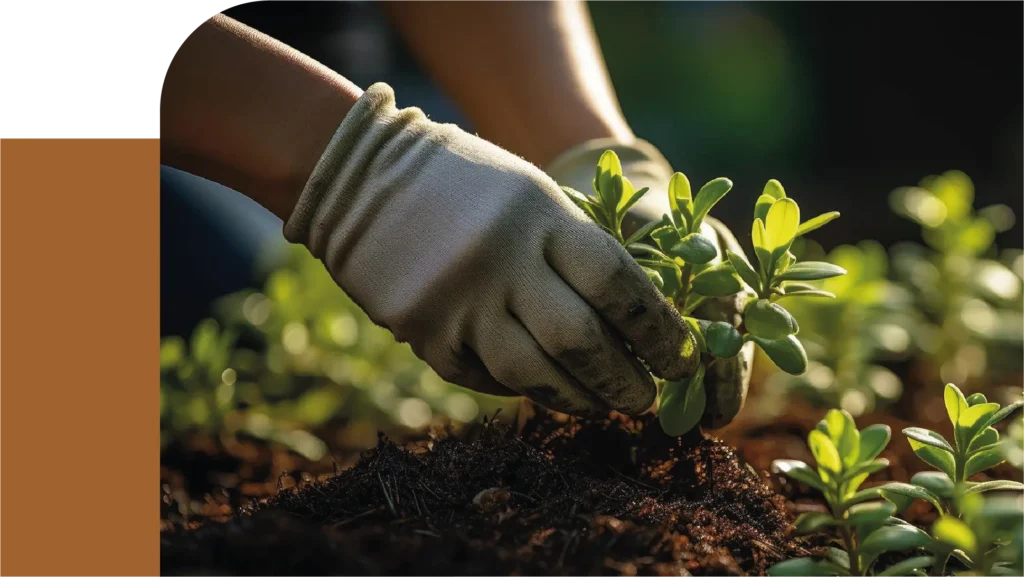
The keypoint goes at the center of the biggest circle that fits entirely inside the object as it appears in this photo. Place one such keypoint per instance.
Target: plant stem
(851, 550)
(940, 568)
(684, 291)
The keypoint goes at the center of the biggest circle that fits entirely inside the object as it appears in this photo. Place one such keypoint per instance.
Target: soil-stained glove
(478, 260)
(726, 383)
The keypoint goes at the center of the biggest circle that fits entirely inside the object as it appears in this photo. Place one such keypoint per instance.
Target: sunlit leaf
(810, 270)
(768, 320)
(799, 471)
(781, 224)
(682, 404)
(707, 197)
(787, 353)
(938, 458)
(717, 281)
(956, 533)
(816, 222)
(873, 439)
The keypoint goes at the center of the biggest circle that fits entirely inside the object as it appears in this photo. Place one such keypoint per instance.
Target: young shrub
(969, 290)
(680, 255)
(975, 448)
(987, 537)
(860, 519)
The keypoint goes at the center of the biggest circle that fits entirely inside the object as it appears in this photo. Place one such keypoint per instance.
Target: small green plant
(681, 255)
(850, 339)
(976, 448)
(988, 537)
(861, 519)
(971, 299)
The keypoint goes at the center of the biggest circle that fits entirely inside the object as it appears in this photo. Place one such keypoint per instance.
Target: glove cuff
(331, 191)
(642, 164)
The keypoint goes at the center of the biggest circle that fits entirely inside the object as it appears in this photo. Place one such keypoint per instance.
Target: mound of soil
(566, 496)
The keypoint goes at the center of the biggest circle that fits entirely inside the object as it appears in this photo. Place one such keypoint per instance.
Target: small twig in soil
(354, 517)
(391, 504)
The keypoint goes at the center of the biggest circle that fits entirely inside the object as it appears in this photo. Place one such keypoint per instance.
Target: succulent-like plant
(681, 256)
(861, 519)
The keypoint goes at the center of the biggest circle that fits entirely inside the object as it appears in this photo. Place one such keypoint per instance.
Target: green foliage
(861, 519)
(680, 255)
(296, 360)
(988, 537)
(970, 294)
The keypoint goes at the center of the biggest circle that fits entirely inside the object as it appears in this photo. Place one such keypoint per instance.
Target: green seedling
(969, 290)
(976, 447)
(680, 254)
(986, 538)
(860, 518)
(850, 339)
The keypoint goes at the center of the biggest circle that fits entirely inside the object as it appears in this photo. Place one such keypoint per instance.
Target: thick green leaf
(865, 468)
(654, 276)
(812, 522)
(763, 205)
(695, 248)
(784, 261)
(644, 250)
(1003, 413)
(609, 181)
(824, 451)
(956, 533)
(679, 198)
(581, 200)
(984, 439)
(873, 512)
(816, 222)
(928, 438)
(799, 471)
(972, 421)
(907, 566)
(862, 495)
(938, 458)
(893, 538)
(633, 198)
(873, 440)
(744, 270)
(912, 491)
(768, 320)
(781, 224)
(811, 270)
(719, 280)
(697, 328)
(642, 232)
(806, 566)
(682, 405)
(845, 436)
(801, 289)
(762, 249)
(724, 340)
(1000, 485)
(955, 402)
(708, 196)
(982, 460)
(976, 399)
(787, 353)
(773, 188)
(937, 483)
(666, 236)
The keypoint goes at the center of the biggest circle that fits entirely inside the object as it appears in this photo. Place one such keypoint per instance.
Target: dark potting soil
(615, 496)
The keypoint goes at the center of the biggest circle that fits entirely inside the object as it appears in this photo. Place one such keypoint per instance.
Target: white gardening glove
(478, 260)
(726, 383)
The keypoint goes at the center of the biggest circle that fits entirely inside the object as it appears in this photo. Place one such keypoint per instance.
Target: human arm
(467, 252)
(249, 112)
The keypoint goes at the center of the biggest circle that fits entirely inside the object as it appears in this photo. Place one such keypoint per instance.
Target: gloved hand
(476, 258)
(726, 383)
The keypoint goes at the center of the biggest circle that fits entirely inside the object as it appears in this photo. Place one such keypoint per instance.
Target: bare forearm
(245, 110)
(528, 74)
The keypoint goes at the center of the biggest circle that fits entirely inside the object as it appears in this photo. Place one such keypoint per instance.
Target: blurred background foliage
(297, 363)
(841, 101)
